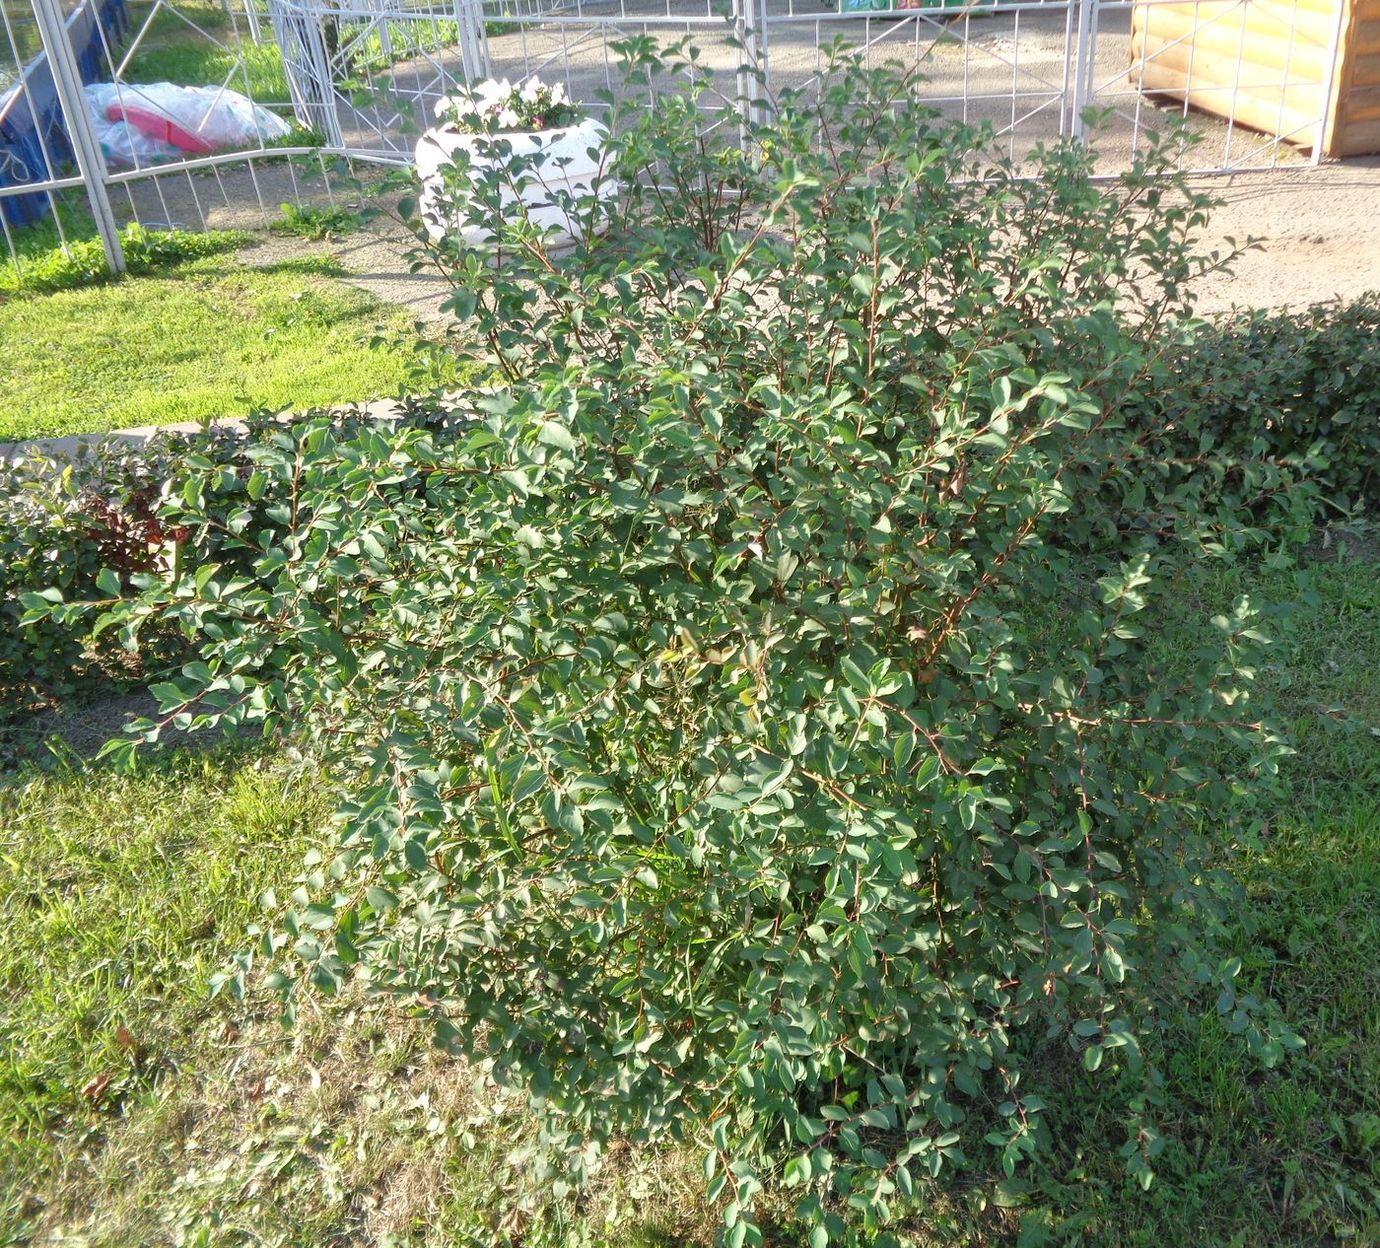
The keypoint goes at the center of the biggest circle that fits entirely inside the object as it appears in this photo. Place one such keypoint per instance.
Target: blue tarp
(31, 118)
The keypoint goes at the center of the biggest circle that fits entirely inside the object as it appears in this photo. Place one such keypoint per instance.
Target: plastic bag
(162, 120)
(125, 147)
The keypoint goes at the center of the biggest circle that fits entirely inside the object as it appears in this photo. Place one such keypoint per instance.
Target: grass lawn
(194, 45)
(1289, 1156)
(208, 339)
(135, 1110)
(23, 41)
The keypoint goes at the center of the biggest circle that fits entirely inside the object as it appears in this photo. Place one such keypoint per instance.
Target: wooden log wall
(1354, 122)
(1269, 65)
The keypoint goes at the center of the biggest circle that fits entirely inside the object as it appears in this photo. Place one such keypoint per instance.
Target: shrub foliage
(1299, 386)
(755, 724)
(65, 523)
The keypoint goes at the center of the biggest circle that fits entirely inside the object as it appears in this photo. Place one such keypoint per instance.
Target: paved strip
(69, 447)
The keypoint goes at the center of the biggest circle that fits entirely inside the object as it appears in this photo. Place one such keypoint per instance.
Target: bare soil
(1312, 233)
(1318, 231)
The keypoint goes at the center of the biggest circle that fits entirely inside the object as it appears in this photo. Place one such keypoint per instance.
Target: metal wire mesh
(357, 79)
(116, 51)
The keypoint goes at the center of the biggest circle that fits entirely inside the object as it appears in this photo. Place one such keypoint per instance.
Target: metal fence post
(1083, 69)
(738, 17)
(307, 67)
(761, 92)
(251, 17)
(473, 39)
(52, 29)
(750, 36)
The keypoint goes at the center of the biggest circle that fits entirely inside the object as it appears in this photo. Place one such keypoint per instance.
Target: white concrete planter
(567, 159)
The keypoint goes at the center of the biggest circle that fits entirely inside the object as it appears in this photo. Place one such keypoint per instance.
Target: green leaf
(797, 1170)
(553, 433)
(380, 898)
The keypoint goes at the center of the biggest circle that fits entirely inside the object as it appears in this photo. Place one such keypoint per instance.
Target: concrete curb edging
(70, 446)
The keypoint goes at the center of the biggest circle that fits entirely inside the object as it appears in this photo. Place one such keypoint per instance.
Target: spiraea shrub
(751, 713)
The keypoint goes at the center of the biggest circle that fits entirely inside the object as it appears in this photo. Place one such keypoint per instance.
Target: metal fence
(72, 170)
(1031, 67)
(357, 78)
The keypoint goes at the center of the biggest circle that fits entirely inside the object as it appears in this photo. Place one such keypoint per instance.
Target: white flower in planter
(490, 89)
(492, 107)
(458, 105)
(560, 150)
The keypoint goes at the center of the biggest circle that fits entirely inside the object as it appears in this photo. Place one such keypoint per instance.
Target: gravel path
(1318, 231)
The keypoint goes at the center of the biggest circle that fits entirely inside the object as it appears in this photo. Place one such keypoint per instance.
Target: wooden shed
(1307, 71)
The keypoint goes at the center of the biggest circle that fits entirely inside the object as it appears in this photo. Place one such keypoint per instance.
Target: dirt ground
(1316, 233)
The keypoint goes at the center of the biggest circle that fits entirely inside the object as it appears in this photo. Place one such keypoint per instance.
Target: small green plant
(315, 223)
(62, 531)
(298, 136)
(754, 719)
(78, 527)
